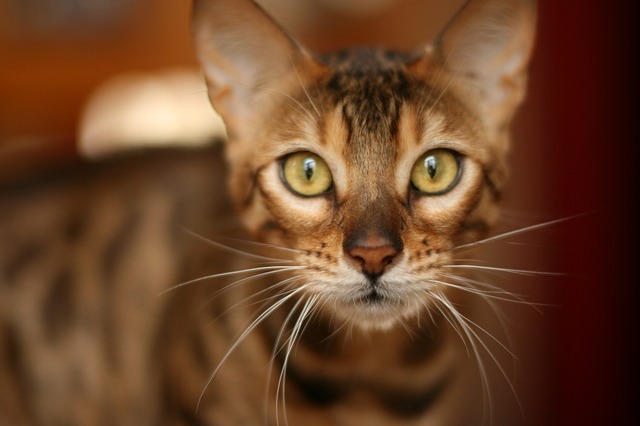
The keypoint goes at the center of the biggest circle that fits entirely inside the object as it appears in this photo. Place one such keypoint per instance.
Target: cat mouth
(375, 309)
(373, 297)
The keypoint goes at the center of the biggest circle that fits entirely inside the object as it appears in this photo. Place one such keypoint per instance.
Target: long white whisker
(506, 270)
(292, 99)
(274, 352)
(244, 335)
(471, 285)
(453, 325)
(496, 295)
(265, 245)
(516, 232)
(255, 295)
(276, 92)
(229, 249)
(451, 313)
(306, 92)
(248, 279)
(466, 323)
(274, 268)
(291, 341)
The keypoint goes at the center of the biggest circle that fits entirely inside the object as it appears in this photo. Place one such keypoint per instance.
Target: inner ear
(488, 44)
(246, 57)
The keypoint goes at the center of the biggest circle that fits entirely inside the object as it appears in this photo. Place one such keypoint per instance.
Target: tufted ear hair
(245, 56)
(488, 45)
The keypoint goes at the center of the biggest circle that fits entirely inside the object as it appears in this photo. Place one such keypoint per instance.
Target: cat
(330, 287)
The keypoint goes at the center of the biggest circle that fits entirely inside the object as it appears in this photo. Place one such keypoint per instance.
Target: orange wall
(44, 80)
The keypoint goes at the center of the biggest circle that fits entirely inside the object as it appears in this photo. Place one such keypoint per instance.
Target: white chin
(375, 314)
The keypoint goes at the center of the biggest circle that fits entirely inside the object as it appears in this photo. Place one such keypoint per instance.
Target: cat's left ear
(246, 58)
(488, 45)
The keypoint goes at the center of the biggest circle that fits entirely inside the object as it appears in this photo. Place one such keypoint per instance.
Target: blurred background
(572, 151)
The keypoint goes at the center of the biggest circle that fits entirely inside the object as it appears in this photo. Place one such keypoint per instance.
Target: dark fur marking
(317, 390)
(424, 347)
(477, 226)
(199, 351)
(271, 226)
(28, 255)
(118, 243)
(75, 228)
(187, 415)
(252, 177)
(496, 193)
(371, 86)
(11, 353)
(58, 311)
(323, 392)
(411, 404)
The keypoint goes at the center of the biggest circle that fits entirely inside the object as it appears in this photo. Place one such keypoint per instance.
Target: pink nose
(373, 259)
(373, 253)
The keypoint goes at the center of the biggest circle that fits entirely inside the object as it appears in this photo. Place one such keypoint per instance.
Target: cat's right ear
(245, 55)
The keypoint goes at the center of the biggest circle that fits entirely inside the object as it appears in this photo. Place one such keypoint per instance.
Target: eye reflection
(436, 172)
(306, 174)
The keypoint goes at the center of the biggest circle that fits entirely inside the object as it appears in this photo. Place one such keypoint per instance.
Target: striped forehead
(367, 90)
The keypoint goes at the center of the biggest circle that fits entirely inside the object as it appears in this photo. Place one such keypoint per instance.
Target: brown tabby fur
(100, 323)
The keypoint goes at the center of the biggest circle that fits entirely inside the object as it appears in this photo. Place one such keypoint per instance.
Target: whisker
(265, 245)
(468, 283)
(233, 250)
(467, 324)
(256, 294)
(265, 314)
(453, 325)
(467, 335)
(516, 232)
(306, 92)
(299, 106)
(506, 270)
(247, 279)
(231, 273)
(294, 101)
(291, 341)
(495, 294)
(491, 301)
(274, 352)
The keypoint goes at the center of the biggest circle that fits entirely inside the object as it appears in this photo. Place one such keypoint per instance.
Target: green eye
(436, 171)
(306, 174)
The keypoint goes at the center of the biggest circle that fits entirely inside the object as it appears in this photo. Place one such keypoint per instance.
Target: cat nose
(373, 254)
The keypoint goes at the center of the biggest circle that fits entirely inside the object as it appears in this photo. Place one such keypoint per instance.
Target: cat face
(372, 165)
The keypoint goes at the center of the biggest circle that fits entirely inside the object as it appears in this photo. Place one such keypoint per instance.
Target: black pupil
(430, 162)
(309, 168)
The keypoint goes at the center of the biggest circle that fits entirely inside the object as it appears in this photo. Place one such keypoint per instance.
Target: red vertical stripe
(586, 51)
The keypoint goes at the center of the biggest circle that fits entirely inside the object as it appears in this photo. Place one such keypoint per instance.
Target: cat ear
(488, 44)
(245, 56)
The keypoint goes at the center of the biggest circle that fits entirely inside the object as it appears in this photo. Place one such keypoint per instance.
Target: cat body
(362, 176)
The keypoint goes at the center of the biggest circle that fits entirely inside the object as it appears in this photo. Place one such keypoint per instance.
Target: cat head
(373, 165)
